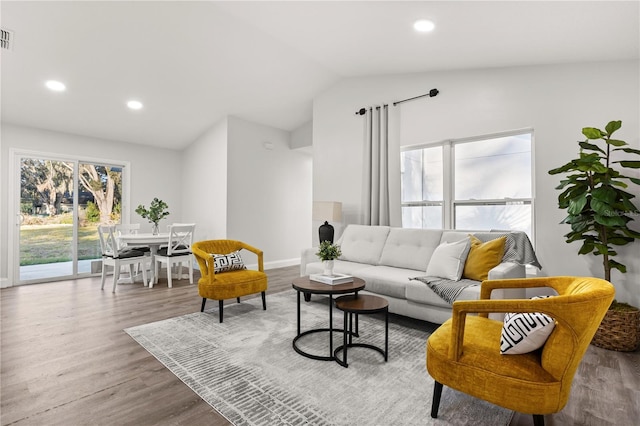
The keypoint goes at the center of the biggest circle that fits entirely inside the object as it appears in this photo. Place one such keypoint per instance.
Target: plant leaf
(577, 204)
(602, 208)
(615, 142)
(612, 126)
(617, 265)
(620, 241)
(628, 150)
(632, 233)
(562, 169)
(592, 133)
(586, 248)
(611, 221)
(605, 194)
(590, 146)
(601, 248)
(619, 183)
(629, 164)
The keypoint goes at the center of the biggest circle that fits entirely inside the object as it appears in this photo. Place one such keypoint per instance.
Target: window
(478, 183)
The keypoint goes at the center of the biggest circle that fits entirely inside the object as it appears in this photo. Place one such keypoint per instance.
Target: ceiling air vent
(6, 39)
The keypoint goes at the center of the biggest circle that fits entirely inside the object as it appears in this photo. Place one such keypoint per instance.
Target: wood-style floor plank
(65, 360)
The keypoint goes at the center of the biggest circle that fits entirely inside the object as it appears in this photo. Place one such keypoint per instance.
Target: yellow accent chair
(229, 284)
(464, 353)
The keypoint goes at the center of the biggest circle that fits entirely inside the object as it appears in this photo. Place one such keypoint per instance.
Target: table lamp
(326, 211)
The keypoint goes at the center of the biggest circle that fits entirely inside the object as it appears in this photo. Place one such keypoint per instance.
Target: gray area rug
(247, 370)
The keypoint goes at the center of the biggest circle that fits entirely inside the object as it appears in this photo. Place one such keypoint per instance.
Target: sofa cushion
(363, 244)
(386, 280)
(453, 236)
(339, 267)
(419, 292)
(483, 257)
(448, 260)
(410, 248)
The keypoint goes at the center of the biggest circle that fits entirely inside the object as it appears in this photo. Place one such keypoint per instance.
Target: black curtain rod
(432, 93)
(363, 111)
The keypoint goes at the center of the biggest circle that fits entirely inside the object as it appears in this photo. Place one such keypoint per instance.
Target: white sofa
(388, 258)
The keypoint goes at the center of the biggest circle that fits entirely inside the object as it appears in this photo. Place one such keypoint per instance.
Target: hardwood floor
(66, 361)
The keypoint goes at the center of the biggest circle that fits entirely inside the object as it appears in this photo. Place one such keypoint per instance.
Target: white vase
(155, 229)
(328, 267)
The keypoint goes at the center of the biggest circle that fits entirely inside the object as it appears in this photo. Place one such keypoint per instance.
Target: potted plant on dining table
(157, 211)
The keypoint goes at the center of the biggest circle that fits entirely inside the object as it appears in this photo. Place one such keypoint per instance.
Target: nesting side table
(306, 286)
(361, 304)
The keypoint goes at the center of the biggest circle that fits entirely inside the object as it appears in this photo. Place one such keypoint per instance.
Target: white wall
(204, 182)
(269, 191)
(555, 100)
(302, 137)
(154, 172)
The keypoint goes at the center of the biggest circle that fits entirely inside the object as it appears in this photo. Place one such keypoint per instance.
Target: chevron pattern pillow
(227, 262)
(525, 332)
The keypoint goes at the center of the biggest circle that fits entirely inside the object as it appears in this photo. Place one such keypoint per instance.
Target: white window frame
(448, 159)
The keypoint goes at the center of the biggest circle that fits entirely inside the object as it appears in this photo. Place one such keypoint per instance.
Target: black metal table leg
(344, 341)
(330, 325)
(386, 334)
(298, 314)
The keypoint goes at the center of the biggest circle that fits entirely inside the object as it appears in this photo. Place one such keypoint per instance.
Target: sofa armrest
(503, 271)
(507, 270)
(307, 256)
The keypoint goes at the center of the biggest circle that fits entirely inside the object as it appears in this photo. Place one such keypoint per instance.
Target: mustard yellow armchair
(464, 353)
(229, 284)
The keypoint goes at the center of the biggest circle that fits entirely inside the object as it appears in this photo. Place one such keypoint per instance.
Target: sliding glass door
(61, 204)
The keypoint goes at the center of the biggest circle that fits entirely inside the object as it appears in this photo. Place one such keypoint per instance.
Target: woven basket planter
(619, 331)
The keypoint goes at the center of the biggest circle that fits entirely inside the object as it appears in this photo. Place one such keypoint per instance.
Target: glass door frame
(15, 158)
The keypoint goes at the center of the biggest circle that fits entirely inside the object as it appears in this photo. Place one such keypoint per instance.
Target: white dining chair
(130, 229)
(115, 256)
(177, 252)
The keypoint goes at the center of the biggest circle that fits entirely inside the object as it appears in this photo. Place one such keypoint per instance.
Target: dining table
(153, 241)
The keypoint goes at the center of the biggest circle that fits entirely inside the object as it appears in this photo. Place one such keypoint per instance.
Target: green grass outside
(53, 243)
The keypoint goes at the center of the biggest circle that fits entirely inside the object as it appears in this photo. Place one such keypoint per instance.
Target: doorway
(61, 204)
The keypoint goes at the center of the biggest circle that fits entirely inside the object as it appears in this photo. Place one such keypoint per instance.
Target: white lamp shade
(330, 211)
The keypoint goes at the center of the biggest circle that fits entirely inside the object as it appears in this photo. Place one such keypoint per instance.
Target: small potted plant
(599, 211)
(157, 211)
(328, 252)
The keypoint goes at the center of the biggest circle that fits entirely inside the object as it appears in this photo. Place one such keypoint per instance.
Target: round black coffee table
(307, 286)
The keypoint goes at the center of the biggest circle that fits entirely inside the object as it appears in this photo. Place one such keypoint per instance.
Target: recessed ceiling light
(56, 86)
(424, 25)
(134, 105)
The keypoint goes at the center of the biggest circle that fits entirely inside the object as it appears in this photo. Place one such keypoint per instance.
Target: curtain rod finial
(361, 111)
(433, 92)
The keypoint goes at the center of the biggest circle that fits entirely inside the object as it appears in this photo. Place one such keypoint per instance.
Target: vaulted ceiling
(192, 63)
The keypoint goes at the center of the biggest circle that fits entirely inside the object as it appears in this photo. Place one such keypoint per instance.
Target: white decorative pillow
(447, 260)
(227, 262)
(525, 332)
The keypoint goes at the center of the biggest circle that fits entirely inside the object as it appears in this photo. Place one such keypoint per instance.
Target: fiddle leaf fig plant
(593, 193)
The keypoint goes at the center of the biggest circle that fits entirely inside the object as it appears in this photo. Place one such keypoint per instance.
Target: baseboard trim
(282, 263)
(276, 264)
(4, 283)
